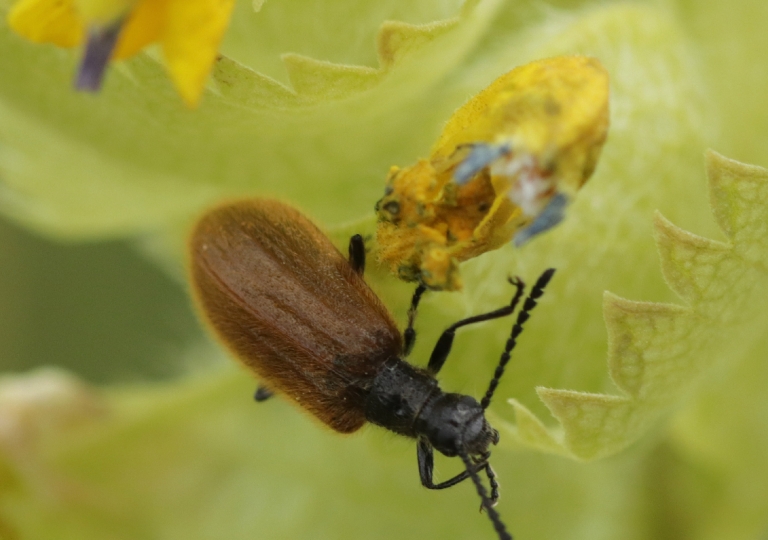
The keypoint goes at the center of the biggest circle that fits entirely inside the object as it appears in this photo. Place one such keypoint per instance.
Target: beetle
(289, 306)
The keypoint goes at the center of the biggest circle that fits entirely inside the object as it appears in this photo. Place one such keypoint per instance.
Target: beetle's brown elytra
(289, 306)
(296, 312)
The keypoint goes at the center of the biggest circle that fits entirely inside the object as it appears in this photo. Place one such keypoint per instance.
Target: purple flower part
(479, 157)
(98, 50)
(552, 214)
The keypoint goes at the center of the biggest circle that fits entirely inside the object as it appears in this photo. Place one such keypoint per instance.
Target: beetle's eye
(444, 438)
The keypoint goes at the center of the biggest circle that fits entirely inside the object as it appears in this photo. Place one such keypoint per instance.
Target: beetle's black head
(455, 423)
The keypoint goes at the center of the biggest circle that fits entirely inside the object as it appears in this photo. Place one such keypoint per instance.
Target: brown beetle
(296, 312)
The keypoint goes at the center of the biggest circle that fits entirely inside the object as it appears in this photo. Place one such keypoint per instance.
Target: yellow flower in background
(189, 32)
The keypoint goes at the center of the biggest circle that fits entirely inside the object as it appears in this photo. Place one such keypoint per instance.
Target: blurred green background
(101, 309)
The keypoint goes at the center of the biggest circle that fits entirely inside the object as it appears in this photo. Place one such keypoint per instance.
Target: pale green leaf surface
(731, 46)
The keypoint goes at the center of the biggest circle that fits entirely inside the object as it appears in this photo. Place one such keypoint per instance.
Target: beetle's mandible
(299, 314)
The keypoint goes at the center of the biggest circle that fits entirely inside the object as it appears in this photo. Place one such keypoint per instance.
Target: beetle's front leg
(425, 456)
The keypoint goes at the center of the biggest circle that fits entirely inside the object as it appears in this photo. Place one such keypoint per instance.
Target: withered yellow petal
(47, 21)
(555, 109)
(191, 41)
(529, 140)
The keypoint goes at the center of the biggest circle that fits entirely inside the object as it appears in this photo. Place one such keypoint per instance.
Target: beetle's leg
(482, 459)
(443, 346)
(501, 529)
(262, 394)
(409, 336)
(425, 456)
(357, 253)
(489, 472)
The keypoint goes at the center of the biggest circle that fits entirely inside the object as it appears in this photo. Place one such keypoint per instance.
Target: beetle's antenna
(486, 502)
(522, 316)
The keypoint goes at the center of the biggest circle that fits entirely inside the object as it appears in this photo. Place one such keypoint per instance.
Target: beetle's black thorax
(398, 394)
(407, 400)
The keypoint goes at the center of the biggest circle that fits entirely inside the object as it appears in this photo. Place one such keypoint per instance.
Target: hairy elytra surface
(289, 306)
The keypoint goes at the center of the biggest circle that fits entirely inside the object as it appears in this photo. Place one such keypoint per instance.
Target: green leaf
(658, 353)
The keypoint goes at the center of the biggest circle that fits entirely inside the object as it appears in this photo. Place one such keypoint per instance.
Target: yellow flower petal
(103, 13)
(190, 30)
(145, 25)
(47, 21)
(191, 42)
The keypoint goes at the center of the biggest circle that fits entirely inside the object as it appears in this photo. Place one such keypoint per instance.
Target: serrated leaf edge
(568, 438)
(396, 41)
